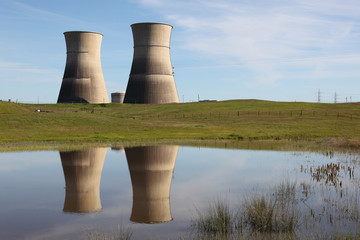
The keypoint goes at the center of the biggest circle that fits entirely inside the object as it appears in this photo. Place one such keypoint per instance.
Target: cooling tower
(82, 172)
(83, 80)
(151, 169)
(151, 78)
(117, 97)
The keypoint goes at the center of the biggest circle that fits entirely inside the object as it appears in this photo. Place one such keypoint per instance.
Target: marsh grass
(273, 213)
(122, 233)
(216, 221)
(257, 215)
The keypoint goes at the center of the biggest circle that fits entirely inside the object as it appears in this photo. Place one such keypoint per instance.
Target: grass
(122, 233)
(283, 213)
(235, 121)
(275, 213)
(217, 220)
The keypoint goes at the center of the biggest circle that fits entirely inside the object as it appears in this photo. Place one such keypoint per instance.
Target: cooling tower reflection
(151, 169)
(82, 172)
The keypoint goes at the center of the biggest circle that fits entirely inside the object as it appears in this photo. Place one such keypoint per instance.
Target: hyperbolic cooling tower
(151, 169)
(82, 172)
(83, 80)
(151, 78)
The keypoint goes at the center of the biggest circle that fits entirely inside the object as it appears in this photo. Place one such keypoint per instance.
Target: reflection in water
(120, 149)
(82, 171)
(151, 170)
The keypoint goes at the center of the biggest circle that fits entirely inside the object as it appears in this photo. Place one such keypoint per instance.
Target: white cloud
(266, 37)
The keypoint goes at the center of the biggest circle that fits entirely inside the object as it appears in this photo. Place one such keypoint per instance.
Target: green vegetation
(276, 213)
(234, 121)
(217, 220)
(122, 233)
(281, 213)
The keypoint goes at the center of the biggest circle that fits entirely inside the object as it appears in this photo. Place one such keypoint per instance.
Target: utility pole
(319, 96)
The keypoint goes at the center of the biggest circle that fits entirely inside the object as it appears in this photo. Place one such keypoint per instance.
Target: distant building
(207, 100)
(117, 97)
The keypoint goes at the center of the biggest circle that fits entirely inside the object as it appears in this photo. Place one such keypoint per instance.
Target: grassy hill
(236, 120)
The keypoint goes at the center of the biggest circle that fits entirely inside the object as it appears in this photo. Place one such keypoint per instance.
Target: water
(156, 190)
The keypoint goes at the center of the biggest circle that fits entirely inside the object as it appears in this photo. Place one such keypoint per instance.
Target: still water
(155, 190)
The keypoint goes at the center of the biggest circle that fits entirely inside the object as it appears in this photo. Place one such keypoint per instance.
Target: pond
(160, 192)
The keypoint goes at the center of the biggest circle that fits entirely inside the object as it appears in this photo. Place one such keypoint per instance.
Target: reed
(271, 213)
(216, 221)
(122, 233)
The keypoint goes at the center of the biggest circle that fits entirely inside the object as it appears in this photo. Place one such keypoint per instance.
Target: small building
(117, 97)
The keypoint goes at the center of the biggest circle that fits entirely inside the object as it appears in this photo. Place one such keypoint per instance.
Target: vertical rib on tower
(83, 80)
(151, 78)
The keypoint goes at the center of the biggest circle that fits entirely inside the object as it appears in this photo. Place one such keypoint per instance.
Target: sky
(278, 50)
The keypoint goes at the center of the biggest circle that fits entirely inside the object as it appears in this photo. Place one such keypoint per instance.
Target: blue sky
(277, 50)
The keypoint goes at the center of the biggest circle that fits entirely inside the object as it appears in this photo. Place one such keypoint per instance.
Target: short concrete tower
(82, 172)
(151, 169)
(117, 97)
(151, 78)
(83, 80)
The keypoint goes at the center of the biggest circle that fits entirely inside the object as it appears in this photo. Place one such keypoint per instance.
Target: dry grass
(271, 213)
(121, 233)
(216, 221)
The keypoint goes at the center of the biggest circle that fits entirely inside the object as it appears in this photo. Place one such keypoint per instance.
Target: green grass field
(236, 120)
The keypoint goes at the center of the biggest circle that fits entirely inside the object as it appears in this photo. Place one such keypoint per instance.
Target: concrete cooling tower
(83, 80)
(117, 97)
(82, 172)
(151, 169)
(151, 78)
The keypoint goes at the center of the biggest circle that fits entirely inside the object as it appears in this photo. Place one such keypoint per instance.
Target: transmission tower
(335, 97)
(319, 96)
